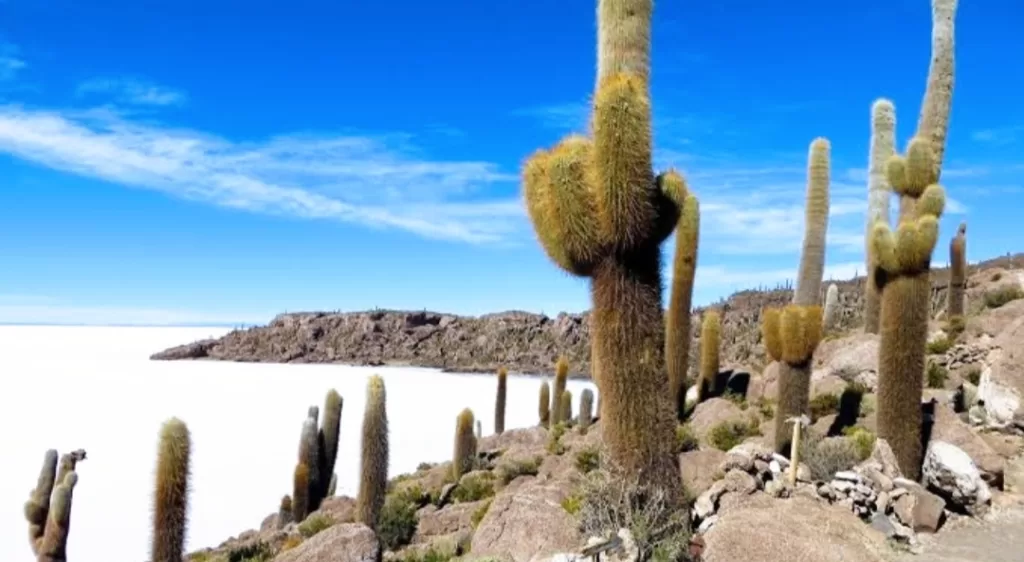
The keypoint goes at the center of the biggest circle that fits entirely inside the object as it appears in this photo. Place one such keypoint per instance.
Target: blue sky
(219, 162)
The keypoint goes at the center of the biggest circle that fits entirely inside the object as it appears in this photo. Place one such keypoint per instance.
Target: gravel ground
(999, 539)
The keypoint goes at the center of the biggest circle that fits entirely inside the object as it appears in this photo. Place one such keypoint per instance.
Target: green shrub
(254, 552)
(823, 405)
(397, 522)
(685, 439)
(973, 376)
(510, 469)
(314, 524)
(588, 459)
(424, 466)
(939, 345)
(955, 326)
(474, 487)
(862, 439)
(766, 408)
(555, 446)
(479, 513)
(937, 375)
(1007, 293)
(728, 434)
(736, 398)
(431, 554)
(825, 457)
(572, 504)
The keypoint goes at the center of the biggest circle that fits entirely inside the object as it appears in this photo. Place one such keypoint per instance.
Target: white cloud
(998, 135)
(33, 309)
(132, 91)
(10, 62)
(372, 181)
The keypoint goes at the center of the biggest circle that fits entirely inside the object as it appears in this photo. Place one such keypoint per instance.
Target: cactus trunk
(678, 331)
(544, 406)
(499, 402)
(710, 342)
(464, 452)
(373, 477)
(883, 131)
(812, 258)
(561, 377)
(794, 400)
(170, 502)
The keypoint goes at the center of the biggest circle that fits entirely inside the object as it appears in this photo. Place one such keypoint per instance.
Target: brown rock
(712, 412)
(452, 520)
(525, 520)
(699, 469)
(740, 482)
(919, 509)
(796, 529)
(951, 429)
(349, 542)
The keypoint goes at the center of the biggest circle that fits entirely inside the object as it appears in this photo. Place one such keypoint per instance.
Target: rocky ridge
(522, 342)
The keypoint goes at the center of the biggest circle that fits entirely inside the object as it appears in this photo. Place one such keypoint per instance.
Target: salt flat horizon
(94, 387)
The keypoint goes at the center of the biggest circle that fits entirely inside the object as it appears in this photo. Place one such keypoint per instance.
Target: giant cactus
(599, 212)
(957, 273)
(677, 327)
(791, 335)
(812, 258)
(904, 260)
(170, 500)
(48, 510)
(373, 477)
(883, 132)
(318, 453)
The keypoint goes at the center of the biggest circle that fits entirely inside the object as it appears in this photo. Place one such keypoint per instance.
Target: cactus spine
(831, 308)
(586, 409)
(684, 268)
(883, 133)
(812, 258)
(599, 212)
(544, 407)
(499, 402)
(48, 509)
(904, 258)
(957, 273)
(710, 340)
(791, 335)
(373, 478)
(464, 452)
(170, 502)
(561, 376)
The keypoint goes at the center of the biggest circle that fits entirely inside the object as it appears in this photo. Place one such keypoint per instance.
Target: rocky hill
(521, 341)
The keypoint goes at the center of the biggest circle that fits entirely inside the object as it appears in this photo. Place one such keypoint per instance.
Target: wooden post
(794, 452)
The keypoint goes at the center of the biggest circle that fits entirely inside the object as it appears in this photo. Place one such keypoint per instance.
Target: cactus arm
(883, 132)
(812, 258)
(678, 330)
(933, 122)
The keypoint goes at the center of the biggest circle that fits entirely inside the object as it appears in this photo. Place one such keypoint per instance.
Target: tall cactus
(48, 509)
(373, 477)
(464, 451)
(710, 343)
(586, 409)
(678, 331)
(544, 406)
(957, 273)
(904, 260)
(306, 478)
(599, 212)
(499, 402)
(933, 122)
(791, 335)
(561, 378)
(170, 501)
(328, 440)
(831, 308)
(883, 142)
(812, 258)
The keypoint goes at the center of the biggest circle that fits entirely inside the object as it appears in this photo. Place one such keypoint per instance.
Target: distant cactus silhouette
(561, 377)
(957, 273)
(373, 479)
(544, 407)
(318, 453)
(499, 402)
(170, 501)
(464, 452)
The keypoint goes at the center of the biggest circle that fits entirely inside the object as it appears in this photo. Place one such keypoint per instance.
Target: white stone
(949, 469)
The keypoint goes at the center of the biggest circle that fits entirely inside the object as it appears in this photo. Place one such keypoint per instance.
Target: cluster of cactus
(791, 335)
(499, 402)
(318, 453)
(464, 453)
(600, 212)
(957, 273)
(710, 346)
(373, 477)
(48, 510)
(677, 323)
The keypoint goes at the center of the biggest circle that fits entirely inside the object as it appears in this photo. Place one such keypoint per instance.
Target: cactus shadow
(849, 411)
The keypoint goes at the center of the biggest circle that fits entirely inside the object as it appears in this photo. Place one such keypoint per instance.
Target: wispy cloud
(562, 117)
(132, 91)
(34, 309)
(10, 61)
(378, 181)
(998, 135)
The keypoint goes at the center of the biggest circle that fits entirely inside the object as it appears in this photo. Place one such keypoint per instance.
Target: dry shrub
(827, 456)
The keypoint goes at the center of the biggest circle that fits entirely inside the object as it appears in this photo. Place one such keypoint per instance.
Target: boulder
(712, 412)
(347, 542)
(699, 469)
(526, 520)
(951, 473)
(796, 529)
(918, 508)
(951, 429)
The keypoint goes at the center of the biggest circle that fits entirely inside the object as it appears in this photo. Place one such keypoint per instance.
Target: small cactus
(561, 377)
(586, 409)
(710, 341)
(465, 444)
(790, 336)
(565, 408)
(544, 407)
(170, 502)
(677, 327)
(284, 512)
(43, 515)
(957, 273)
(499, 402)
(300, 492)
(373, 479)
(831, 308)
